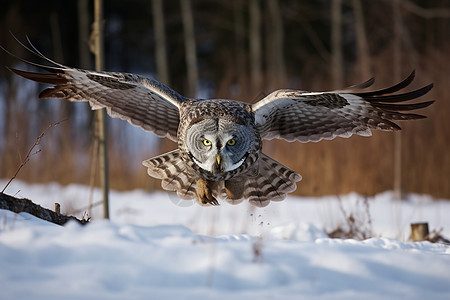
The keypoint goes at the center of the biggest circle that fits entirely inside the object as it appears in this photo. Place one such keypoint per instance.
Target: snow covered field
(156, 247)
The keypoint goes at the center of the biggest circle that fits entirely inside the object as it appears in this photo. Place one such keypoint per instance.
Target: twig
(30, 153)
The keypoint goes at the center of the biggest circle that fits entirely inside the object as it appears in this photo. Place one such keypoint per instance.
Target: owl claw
(212, 201)
(205, 200)
(204, 193)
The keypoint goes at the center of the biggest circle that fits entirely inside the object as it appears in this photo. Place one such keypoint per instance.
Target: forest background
(240, 50)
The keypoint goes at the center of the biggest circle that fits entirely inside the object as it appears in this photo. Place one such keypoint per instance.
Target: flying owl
(219, 152)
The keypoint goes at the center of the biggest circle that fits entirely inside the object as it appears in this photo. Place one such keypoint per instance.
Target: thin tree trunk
(83, 33)
(336, 44)
(84, 58)
(62, 148)
(239, 47)
(397, 57)
(255, 46)
(190, 46)
(275, 57)
(85, 63)
(101, 114)
(162, 68)
(361, 40)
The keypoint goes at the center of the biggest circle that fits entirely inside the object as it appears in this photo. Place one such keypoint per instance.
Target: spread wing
(142, 102)
(312, 116)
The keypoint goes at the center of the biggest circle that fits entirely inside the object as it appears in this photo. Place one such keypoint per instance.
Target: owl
(219, 153)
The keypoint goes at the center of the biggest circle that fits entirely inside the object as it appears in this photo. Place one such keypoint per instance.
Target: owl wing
(312, 116)
(143, 102)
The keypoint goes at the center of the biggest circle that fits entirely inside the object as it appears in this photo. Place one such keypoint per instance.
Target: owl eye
(206, 142)
(231, 142)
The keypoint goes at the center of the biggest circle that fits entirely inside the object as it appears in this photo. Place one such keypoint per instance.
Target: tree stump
(419, 232)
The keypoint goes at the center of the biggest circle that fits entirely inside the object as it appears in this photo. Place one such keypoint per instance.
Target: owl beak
(218, 160)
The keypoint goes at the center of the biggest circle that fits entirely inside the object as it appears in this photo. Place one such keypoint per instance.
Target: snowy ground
(156, 247)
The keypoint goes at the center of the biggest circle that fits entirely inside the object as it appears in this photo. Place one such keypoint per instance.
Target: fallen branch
(24, 205)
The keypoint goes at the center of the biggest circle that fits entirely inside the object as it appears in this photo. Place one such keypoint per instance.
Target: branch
(30, 153)
(24, 205)
(427, 13)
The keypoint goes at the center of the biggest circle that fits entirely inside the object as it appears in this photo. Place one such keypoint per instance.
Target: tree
(275, 45)
(337, 65)
(160, 42)
(190, 46)
(361, 40)
(255, 46)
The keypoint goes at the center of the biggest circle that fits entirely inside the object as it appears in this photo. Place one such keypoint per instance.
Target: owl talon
(204, 193)
(212, 201)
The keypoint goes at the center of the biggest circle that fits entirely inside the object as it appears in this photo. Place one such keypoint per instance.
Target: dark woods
(241, 50)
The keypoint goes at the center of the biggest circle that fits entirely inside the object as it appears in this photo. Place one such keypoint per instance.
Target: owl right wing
(312, 116)
(142, 102)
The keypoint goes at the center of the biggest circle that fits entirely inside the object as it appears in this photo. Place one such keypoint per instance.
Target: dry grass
(358, 223)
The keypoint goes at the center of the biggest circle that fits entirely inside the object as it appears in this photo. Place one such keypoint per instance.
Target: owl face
(218, 145)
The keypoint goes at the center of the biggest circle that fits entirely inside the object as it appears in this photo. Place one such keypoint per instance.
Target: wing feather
(142, 102)
(313, 116)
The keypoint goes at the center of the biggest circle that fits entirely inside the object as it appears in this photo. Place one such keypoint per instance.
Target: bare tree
(361, 40)
(275, 53)
(397, 45)
(336, 44)
(239, 45)
(83, 33)
(255, 46)
(160, 42)
(190, 46)
(101, 114)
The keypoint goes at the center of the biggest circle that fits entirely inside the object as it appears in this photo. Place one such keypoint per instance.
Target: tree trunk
(62, 149)
(337, 68)
(275, 53)
(83, 34)
(162, 68)
(101, 114)
(239, 48)
(255, 47)
(190, 46)
(361, 40)
(397, 56)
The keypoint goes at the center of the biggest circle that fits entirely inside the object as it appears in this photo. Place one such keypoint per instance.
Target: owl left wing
(313, 116)
(142, 102)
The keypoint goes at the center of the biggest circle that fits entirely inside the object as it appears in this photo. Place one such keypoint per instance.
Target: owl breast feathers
(219, 152)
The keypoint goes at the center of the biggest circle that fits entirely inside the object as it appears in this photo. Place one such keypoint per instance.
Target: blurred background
(241, 50)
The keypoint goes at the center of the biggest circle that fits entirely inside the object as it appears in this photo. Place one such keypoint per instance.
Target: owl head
(219, 145)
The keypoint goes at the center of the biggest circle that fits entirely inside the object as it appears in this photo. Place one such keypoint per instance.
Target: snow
(157, 247)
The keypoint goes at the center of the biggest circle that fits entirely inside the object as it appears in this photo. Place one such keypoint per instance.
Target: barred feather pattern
(175, 174)
(142, 102)
(313, 116)
(271, 181)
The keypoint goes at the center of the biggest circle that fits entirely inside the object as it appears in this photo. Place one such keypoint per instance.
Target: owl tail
(267, 181)
(272, 181)
(173, 172)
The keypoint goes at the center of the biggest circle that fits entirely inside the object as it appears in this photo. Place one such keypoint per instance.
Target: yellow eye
(206, 142)
(231, 142)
